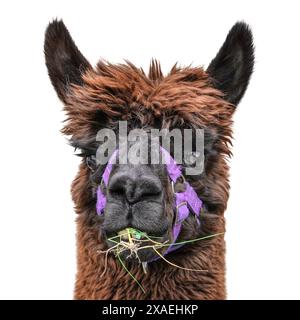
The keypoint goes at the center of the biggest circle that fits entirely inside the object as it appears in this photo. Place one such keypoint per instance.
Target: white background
(37, 230)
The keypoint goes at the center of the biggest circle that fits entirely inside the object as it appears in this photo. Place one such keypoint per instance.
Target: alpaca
(188, 97)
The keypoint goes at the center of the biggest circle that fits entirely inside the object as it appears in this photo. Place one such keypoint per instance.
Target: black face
(136, 198)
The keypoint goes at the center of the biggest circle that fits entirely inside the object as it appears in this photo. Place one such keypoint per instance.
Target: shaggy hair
(189, 97)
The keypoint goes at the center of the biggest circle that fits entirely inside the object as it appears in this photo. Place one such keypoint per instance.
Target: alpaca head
(141, 195)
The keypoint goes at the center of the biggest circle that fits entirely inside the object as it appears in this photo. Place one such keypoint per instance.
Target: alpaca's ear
(64, 61)
(232, 67)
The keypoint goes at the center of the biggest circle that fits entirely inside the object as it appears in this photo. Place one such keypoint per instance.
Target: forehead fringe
(123, 91)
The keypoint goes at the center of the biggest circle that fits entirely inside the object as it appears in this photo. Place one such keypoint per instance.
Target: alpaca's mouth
(134, 245)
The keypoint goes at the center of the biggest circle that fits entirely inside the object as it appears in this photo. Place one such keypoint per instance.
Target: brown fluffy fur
(184, 97)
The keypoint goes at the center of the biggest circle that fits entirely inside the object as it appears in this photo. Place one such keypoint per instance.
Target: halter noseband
(185, 202)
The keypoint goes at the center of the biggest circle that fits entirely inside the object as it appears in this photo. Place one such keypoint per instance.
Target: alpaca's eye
(91, 162)
(79, 152)
(190, 158)
(83, 152)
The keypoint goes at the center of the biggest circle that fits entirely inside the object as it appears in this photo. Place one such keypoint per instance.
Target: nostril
(117, 190)
(150, 187)
(121, 186)
(151, 193)
(135, 189)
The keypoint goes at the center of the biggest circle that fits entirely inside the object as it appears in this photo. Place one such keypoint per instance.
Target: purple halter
(185, 202)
